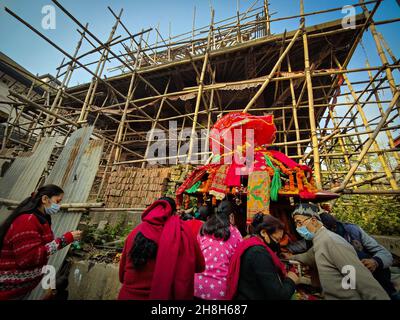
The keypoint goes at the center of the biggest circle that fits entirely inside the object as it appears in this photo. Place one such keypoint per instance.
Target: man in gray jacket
(374, 256)
(341, 273)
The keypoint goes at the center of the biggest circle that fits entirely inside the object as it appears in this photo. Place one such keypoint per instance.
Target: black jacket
(259, 278)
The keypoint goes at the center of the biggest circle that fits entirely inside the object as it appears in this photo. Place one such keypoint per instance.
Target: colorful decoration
(269, 176)
(258, 193)
(218, 186)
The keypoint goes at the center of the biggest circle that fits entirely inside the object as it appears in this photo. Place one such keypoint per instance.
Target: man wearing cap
(342, 275)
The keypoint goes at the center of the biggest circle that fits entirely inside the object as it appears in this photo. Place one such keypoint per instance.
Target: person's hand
(286, 255)
(371, 264)
(77, 235)
(291, 275)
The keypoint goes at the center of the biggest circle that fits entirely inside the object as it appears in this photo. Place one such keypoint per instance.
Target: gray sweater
(329, 254)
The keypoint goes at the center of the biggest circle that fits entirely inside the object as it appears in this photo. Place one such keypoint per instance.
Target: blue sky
(38, 57)
(33, 53)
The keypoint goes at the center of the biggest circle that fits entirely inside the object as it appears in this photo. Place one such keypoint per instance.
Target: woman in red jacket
(27, 241)
(160, 257)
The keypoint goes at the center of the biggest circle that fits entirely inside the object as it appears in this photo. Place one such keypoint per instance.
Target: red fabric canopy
(223, 131)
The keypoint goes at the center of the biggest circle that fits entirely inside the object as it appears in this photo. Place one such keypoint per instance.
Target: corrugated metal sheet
(64, 170)
(21, 179)
(79, 166)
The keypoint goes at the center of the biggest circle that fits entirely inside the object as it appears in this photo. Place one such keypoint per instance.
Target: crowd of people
(200, 254)
(225, 266)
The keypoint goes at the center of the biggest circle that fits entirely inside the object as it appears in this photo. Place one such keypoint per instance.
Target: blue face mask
(54, 208)
(305, 233)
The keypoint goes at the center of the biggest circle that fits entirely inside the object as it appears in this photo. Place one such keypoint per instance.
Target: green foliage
(108, 234)
(379, 215)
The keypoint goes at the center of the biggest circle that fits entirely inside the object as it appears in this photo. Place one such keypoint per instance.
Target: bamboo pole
(252, 43)
(11, 202)
(154, 124)
(80, 64)
(67, 77)
(354, 45)
(357, 135)
(364, 119)
(372, 192)
(267, 18)
(381, 53)
(131, 91)
(311, 112)
(200, 91)
(366, 181)
(99, 70)
(277, 64)
(260, 80)
(341, 143)
(368, 144)
(340, 155)
(180, 139)
(386, 46)
(378, 101)
(193, 28)
(160, 158)
(8, 133)
(294, 108)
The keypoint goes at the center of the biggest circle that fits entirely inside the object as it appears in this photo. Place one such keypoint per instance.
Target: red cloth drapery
(175, 262)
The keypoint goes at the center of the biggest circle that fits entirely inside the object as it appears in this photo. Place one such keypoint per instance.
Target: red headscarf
(175, 262)
(234, 266)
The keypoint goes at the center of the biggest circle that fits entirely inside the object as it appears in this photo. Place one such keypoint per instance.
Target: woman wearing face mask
(27, 241)
(255, 272)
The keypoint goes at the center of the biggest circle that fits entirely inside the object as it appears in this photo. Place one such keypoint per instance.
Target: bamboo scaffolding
(163, 68)
(381, 53)
(200, 91)
(379, 104)
(375, 145)
(368, 144)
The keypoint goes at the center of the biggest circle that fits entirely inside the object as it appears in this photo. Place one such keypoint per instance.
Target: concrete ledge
(93, 281)
(391, 243)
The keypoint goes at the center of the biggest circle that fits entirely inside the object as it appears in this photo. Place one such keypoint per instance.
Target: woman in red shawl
(160, 257)
(255, 271)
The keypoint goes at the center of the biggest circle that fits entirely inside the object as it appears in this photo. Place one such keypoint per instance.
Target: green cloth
(194, 187)
(276, 183)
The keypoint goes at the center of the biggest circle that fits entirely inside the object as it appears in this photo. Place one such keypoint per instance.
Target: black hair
(142, 251)
(186, 216)
(29, 205)
(170, 201)
(218, 224)
(332, 224)
(270, 224)
(328, 220)
(204, 213)
(258, 218)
